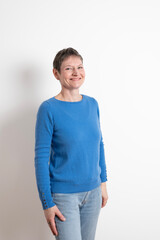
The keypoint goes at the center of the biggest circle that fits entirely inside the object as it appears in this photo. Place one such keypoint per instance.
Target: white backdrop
(119, 41)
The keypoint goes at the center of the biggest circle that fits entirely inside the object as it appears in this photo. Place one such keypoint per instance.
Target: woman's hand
(104, 194)
(50, 215)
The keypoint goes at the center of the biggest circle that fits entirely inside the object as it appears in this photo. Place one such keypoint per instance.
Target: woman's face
(72, 73)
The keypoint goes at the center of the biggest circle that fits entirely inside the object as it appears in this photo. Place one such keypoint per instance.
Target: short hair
(63, 54)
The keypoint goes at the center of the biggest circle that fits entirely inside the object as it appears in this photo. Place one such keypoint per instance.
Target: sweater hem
(68, 187)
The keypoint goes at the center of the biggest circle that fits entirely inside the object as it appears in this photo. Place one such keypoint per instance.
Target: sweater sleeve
(102, 162)
(43, 137)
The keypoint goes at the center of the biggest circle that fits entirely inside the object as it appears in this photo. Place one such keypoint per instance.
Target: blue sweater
(69, 149)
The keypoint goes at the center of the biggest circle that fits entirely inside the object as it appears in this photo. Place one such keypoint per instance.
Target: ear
(56, 73)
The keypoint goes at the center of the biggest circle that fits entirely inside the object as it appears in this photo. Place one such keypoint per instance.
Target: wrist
(103, 184)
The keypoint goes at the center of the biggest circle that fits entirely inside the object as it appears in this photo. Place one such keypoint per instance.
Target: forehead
(71, 60)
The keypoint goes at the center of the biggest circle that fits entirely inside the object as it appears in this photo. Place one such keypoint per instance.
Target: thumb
(60, 215)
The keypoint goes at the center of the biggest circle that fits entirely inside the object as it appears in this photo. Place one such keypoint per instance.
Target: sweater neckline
(70, 102)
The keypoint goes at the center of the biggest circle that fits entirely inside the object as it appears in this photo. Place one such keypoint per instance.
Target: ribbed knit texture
(69, 148)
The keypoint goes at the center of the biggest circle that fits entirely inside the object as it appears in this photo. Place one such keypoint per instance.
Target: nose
(75, 71)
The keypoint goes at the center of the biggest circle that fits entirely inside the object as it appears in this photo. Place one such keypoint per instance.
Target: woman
(72, 186)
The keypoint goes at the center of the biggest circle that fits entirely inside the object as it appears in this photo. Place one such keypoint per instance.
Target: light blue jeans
(81, 211)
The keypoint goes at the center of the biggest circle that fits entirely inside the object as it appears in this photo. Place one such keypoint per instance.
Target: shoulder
(91, 99)
(47, 104)
(44, 109)
(44, 106)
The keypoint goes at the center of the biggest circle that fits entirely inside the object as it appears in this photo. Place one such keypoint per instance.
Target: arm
(43, 137)
(102, 162)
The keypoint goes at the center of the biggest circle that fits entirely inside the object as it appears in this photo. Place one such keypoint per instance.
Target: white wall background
(119, 41)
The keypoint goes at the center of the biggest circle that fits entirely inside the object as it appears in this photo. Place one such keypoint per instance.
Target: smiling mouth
(75, 79)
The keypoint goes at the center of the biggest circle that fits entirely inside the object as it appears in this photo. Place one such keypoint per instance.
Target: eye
(68, 68)
(80, 67)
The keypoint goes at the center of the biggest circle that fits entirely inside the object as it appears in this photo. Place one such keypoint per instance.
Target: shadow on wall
(22, 216)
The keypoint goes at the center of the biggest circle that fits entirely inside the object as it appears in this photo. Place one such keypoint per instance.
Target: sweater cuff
(52, 204)
(104, 179)
(46, 200)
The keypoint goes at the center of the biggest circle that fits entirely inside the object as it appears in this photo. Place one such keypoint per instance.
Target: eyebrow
(71, 65)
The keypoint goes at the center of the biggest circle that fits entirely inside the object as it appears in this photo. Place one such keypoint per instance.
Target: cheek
(83, 73)
(67, 75)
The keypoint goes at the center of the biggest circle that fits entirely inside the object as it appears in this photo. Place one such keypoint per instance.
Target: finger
(103, 202)
(60, 215)
(53, 228)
